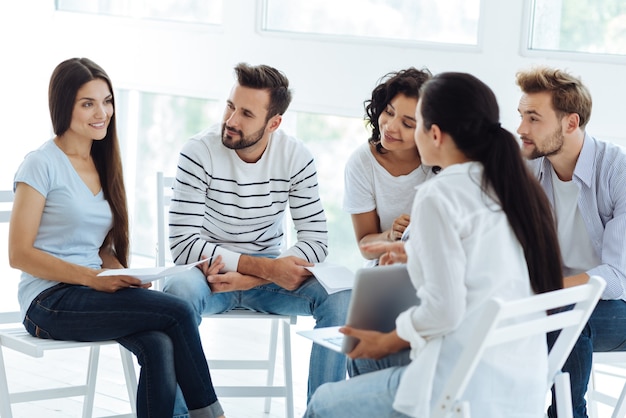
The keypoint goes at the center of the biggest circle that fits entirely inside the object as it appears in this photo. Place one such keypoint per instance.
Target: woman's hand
(112, 284)
(391, 252)
(374, 344)
(398, 227)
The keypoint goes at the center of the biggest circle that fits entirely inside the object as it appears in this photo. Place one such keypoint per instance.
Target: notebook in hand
(150, 274)
(379, 295)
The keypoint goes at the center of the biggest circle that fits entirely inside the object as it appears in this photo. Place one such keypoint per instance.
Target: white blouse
(461, 252)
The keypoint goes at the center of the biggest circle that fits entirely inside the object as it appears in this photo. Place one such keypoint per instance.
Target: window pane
(332, 139)
(192, 11)
(441, 21)
(165, 124)
(590, 26)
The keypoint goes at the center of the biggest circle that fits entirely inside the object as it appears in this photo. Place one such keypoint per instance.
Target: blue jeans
(369, 392)
(309, 299)
(605, 331)
(159, 329)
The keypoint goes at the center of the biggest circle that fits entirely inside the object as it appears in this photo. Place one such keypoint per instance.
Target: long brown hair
(68, 77)
(466, 108)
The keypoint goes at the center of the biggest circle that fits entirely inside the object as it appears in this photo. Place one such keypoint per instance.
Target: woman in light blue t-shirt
(69, 222)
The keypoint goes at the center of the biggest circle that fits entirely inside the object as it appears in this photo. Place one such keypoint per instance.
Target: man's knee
(192, 287)
(339, 304)
(187, 284)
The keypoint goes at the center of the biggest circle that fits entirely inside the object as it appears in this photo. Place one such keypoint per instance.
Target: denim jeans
(309, 299)
(159, 329)
(605, 331)
(369, 392)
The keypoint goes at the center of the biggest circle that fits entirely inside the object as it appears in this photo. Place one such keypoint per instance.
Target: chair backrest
(6, 203)
(6, 200)
(164, 196)
(496, 328)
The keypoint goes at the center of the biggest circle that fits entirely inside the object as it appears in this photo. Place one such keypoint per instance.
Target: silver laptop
(379, 295)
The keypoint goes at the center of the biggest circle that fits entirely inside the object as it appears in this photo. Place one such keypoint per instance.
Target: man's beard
(552, 145)
(244, 141)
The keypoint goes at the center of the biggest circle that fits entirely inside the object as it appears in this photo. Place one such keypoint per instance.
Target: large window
(443, 21)
(589, 26)
(152, 130)
(191, 11)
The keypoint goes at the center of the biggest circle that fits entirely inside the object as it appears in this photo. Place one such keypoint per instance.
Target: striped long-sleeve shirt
(224, 206)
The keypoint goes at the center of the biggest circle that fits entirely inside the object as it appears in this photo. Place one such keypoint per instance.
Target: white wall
(328, 75)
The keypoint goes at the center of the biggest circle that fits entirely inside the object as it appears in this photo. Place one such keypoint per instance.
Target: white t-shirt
(369, 186)
(461, 252)
(577, 251)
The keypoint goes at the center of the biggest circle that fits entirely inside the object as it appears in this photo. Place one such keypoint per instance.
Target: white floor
(221, 338)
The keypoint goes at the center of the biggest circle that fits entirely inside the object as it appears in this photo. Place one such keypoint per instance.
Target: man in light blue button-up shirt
(585, 180)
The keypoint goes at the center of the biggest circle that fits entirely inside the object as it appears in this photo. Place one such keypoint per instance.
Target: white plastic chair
(268, 391)
(496, 329)
(610, 365)
(13, 336)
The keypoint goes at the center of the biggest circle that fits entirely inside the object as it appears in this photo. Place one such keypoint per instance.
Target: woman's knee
(152, 348)
(321, 402)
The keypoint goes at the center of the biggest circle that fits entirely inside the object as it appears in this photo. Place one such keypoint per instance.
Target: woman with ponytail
(481, 228)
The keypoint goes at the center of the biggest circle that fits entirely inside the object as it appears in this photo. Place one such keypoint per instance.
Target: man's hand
(228, 281)
(374, 344)
(287, 272)
(213, 268)
(231, 281)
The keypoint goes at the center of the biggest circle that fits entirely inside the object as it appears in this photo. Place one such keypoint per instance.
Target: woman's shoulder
(41, 167)
(458, 179)
(45, 155)
(362, 157)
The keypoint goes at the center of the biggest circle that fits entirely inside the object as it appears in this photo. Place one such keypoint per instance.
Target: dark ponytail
(466, 108)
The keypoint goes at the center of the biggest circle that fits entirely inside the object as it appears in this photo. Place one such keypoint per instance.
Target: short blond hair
(569, 94)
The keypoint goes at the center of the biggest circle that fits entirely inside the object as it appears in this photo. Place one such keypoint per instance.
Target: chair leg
(271, 361)
(563, 391)
(287, 367)
(620, 406)
(130, 376)
(592, 404)
(5, 398)
(92, 374)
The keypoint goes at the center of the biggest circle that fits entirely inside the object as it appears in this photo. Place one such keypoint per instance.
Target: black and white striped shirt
(224, 206)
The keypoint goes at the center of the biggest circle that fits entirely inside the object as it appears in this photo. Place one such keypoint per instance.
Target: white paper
(149, 274)
(333, 277)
